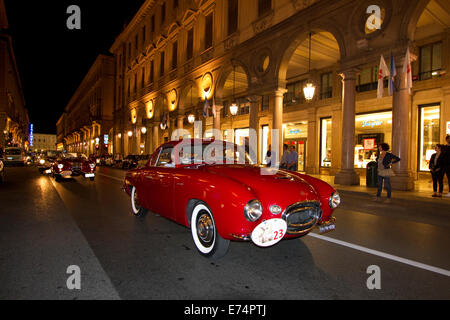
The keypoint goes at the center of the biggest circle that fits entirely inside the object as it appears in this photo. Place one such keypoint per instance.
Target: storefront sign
(31, 135)
(296, 131)
(372, 123)
(106, 139)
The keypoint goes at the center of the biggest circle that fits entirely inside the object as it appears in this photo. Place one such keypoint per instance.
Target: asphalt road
(46, 226)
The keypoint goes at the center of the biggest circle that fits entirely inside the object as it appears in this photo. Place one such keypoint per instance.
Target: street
(46, 226)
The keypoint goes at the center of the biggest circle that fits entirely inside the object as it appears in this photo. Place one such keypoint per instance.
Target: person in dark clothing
(437, 169)
(446, 160)
(385, 160)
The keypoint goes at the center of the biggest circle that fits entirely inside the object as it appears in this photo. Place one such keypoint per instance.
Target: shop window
(325, 142)
(326, 85)
(429, 134)
(371, 130)
(430, 61)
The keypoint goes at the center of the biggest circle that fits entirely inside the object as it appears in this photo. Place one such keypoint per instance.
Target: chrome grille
(76, 166)
(301, 217)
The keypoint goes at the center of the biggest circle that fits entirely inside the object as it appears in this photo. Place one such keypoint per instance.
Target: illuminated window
(326, 85)
(371, 130)
(429, 134)
(325, 143)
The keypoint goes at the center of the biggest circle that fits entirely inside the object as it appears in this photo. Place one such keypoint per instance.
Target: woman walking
(385, 160)
(437, 169)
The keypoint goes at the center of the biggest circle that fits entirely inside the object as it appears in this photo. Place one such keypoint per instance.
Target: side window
(165, 158)
(154, 158)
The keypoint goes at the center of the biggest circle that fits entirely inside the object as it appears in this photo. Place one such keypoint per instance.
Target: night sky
(52, 59)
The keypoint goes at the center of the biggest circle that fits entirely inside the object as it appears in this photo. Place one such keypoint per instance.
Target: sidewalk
(423, 189)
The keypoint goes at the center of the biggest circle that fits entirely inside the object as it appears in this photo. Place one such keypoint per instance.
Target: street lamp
(234, 109)
(144, 130)
(191, 118)
(309, 89)
(130, 133)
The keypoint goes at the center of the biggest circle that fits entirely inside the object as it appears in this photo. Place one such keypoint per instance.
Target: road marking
(383, 255)
(111, 177)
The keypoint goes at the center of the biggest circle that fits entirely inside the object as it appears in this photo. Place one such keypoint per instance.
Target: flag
(205, 108)
(214, 108)
(393, 74)
(408, 71)
(383, 72)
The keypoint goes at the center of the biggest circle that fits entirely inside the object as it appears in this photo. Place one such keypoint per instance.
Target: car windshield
(13, 152)
(71, 155)
(218, 152)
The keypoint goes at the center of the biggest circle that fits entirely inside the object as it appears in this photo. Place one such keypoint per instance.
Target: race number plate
(89, 175)
(269, 233)
(66, 173)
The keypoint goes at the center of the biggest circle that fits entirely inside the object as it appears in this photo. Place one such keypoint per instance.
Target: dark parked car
(130, 162)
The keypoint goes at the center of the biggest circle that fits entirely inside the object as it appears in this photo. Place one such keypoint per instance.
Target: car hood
(280, 186)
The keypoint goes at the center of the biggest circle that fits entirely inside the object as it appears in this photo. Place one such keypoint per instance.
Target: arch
(188, 95)
(220, 86)
(412, 17)
(296, 39)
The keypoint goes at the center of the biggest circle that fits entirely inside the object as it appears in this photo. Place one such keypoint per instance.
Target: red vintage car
(70, 165)
(212, 187)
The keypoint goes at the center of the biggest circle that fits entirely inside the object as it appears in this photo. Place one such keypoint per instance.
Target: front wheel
(137, 209)
(204, 233)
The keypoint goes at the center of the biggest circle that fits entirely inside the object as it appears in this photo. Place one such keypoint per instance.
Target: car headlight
(60, 166)
(42, 161)
(335, 200)
(253, 210)
(92, 165)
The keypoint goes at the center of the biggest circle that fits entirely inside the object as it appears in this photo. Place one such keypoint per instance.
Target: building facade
(14, 120)
(43, 142)
(260, 54)
(87, 121)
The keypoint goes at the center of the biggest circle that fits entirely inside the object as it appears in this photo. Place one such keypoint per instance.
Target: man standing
(446, 151)
(284, 163)
(292, 159)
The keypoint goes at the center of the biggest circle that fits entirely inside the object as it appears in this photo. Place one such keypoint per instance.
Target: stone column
(254, 124)
(401, 132)
(336, 141)
(278, 120)
(311, 144)
(347, 175)
(155, 136)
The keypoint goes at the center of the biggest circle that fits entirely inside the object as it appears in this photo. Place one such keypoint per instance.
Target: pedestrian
(385, 161)
(292, 159)
(285, 157)
(437, 167)
(268, 158)
(446, 162)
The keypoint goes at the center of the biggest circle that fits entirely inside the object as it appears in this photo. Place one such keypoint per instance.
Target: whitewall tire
(204, 233)
(136, 208)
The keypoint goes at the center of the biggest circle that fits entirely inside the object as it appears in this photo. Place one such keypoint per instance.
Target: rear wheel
(137, 209)
(204, 233)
